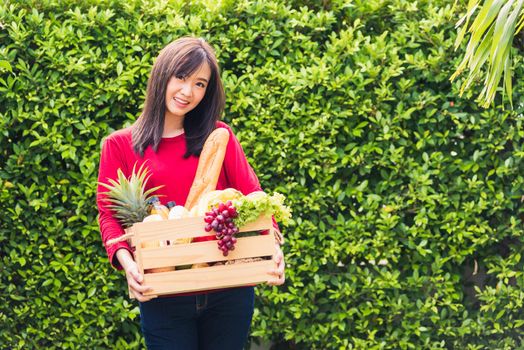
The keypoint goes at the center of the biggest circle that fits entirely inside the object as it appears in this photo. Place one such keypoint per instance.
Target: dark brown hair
(181, 58)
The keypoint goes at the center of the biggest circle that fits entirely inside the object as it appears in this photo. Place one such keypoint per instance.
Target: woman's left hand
(279, 271)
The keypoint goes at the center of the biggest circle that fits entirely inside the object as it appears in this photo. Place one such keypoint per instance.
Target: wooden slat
(148, 256)
(262, 223)
(209, 278)
(170, 229)
(202, 252)
(185, 228)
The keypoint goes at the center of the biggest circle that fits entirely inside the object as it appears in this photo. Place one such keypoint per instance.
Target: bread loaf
(209, 166)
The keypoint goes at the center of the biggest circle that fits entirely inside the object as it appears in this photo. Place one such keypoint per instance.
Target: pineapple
(128, 197)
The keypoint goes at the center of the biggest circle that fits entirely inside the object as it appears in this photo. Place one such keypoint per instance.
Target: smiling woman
(185, 70)
(183, 104)
(184, 93)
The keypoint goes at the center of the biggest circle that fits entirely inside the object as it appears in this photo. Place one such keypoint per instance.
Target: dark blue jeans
(216, 320)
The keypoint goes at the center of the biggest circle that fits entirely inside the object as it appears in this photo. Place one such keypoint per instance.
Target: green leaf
(119, 68)
(5, 65)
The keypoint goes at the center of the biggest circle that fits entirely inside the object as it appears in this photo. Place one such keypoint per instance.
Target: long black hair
(181, 58)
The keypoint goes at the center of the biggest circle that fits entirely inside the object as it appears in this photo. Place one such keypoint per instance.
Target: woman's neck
(173, 126)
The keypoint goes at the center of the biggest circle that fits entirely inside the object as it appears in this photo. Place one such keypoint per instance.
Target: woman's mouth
(180, 103)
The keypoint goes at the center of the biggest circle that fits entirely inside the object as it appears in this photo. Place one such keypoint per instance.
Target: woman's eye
(179, 77)
(202, 85)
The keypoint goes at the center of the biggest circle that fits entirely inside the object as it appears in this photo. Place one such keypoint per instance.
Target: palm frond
(472, 6)
(490, 42)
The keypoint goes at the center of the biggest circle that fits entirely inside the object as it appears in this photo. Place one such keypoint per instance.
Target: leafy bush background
(346, 108)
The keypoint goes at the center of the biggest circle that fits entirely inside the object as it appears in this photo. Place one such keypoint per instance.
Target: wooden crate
(149, 255)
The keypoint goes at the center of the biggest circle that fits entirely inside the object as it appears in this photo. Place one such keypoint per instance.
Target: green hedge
(407, 230)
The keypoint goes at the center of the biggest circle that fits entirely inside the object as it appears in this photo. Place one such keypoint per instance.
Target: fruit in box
(221, 220)
(215, 197)
(153, 217)
(178, 212)
(131, 203)
(128, 197)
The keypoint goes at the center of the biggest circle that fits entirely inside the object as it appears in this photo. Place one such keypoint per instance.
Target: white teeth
(181, 101)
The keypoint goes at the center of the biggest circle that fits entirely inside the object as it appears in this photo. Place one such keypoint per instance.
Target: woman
(184, 100)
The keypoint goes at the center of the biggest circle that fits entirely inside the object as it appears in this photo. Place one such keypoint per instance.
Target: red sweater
(167, 167)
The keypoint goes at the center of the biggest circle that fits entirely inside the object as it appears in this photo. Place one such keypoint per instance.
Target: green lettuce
(250, 208)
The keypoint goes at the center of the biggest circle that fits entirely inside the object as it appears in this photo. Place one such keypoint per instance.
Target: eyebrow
(203, 79)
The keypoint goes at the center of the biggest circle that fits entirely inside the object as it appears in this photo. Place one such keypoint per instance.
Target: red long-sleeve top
(167, 167)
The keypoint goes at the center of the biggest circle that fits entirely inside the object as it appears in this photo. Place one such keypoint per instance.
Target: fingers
(139, 290)
(134, 280)
(278, 281)
(278, 257)
(279, 271)
(137, 286)
(142, 298)
(137, 276)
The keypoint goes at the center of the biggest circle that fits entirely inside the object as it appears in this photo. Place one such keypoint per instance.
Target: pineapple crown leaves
(128, 196)
(123, 186)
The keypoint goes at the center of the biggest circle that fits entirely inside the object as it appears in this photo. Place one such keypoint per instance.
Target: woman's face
(184, 94)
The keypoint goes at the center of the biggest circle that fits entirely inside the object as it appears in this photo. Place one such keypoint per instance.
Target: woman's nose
(186, 89)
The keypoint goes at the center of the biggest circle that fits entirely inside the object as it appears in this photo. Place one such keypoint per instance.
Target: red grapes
(221, 220)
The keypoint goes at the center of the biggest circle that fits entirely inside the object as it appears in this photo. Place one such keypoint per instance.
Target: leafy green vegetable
(251, 207)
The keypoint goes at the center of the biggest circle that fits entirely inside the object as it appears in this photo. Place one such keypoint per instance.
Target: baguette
(209, 166)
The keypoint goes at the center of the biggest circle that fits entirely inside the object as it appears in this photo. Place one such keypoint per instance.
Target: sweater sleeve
(111, 159)
(239, 174)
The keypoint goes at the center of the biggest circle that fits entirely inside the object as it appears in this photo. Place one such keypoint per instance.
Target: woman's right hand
(133, 276)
